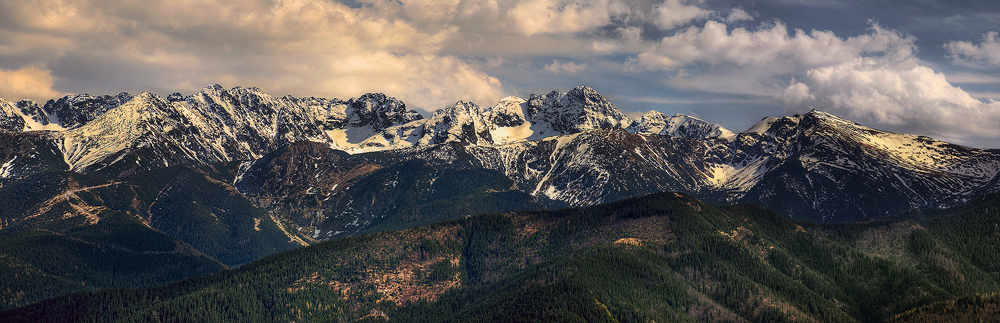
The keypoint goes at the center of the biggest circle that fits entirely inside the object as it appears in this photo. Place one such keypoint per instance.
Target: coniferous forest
(666, 257)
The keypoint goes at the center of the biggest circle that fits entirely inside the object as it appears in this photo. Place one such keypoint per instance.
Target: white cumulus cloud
(986, 52)
(299, 47)
(905, 96)
(738, 14)
(772, 46)
(675, 13)
(564, 16)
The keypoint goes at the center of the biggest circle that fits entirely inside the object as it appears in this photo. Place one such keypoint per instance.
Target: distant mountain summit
(820, 167)
(560, 149)
(512, 119)
(245, 123)
(678, 125)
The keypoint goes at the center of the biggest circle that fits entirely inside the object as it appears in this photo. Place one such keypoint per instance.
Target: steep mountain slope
(822, 168)
(326, 193)
(10, 119)
(71, 111)
(665, 257)
(601, 165)
(26, 153)
(209, 214)
(991, 187)
(68, 112)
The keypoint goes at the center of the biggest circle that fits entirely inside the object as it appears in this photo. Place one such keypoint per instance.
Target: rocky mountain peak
(578, 110)
(175, 97)
(678, 125)
(470, 108)
(825, 116)
(464, 122)
(509, 112)
(213, 88)
(376, 110)
(68, 112)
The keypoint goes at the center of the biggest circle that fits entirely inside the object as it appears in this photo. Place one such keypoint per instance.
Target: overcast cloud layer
(927, 67)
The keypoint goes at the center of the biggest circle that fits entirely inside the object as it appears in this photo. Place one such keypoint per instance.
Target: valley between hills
(235, 205)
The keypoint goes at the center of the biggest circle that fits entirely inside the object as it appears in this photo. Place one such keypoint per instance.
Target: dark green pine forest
(62, 232)
(666, 257)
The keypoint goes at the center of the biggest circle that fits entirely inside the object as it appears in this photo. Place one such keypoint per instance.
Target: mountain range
(561, 149)
(137, 191)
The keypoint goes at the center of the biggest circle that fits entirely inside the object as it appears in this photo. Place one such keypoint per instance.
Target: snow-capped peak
(213, 88)
(678, 125)
(580, 109)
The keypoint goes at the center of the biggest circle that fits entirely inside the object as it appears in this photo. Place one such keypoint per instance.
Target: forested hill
(664, 257)
(62, 232)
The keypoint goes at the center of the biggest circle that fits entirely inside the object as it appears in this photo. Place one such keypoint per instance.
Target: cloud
(299, 47)
(969, 78)
(773, 46)
(494, 62)
(675, 13)
(985, 95)
(604, 47)
(625, 38)
(429, 53)
(903, 96)
(967, 53)
(565, 68)
(564, 16)
(738, 15)
(26, 83)
(440, 13)
(716, 58)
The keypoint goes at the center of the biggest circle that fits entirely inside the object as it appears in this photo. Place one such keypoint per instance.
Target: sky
(926, 67)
